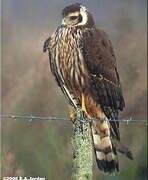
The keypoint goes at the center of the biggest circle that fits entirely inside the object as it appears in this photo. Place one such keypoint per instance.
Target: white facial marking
(83, 12)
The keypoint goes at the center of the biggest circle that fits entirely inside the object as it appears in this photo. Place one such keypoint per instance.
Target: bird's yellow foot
(84, 107)
(73, 117)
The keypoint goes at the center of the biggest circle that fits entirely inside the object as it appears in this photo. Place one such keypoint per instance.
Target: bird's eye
(73, 17)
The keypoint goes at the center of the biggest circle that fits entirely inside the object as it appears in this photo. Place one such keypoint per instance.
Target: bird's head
(76, 15)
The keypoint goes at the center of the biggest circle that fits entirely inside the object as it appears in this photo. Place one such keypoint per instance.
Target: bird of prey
(83, 63)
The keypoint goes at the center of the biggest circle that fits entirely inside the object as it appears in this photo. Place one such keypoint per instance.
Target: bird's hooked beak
(65, 22)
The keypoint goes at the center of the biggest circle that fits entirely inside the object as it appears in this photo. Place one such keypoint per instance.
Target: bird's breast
(68, 59)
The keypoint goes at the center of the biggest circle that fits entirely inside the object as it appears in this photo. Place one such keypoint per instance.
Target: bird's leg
(84, 107)
(73, 115)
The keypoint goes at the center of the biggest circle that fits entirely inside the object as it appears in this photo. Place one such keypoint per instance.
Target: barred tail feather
(105, 151)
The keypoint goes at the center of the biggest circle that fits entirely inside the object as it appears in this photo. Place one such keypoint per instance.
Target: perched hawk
(83, 63)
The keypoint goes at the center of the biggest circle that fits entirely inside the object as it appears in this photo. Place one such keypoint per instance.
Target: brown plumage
(83, 63)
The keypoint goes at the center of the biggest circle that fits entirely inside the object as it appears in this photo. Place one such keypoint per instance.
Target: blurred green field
(43, 148)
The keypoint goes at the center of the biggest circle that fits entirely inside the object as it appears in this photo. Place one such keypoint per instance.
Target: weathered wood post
(82, 148)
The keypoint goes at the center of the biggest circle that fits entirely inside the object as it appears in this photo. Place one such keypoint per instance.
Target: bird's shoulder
(99, 56)
(96, 43)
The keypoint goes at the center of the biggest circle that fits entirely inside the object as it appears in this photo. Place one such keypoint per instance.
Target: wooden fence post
(82, 148)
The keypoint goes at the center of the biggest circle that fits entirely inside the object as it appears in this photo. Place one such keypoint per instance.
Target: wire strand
(70, 119)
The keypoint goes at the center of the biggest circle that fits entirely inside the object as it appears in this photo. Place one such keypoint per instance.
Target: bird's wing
(46, 47)
(46, 44)
(101, 66)
(69, 96)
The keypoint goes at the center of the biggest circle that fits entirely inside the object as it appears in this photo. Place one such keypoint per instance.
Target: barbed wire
(30, 118)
